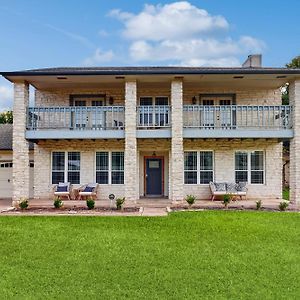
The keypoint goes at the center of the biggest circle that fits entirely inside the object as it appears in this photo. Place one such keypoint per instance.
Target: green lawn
(286, 193)
(191, 255)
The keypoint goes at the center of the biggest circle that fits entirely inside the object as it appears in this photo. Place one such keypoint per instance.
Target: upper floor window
(198, 167)
(217, 99)
(249, 166)
(157, 101)
(65, 167)
(87, 100)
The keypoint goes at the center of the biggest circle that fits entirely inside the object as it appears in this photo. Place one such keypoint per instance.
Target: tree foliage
(294, 63)
(6, 117)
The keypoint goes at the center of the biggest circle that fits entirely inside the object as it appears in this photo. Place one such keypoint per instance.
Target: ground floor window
(198, 167)
(110, 167)
(249, 166)
(65, 167)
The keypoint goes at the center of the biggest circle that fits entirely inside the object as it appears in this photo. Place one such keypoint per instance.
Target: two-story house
(156, 131)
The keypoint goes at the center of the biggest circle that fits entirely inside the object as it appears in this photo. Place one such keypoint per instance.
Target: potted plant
(57, 203)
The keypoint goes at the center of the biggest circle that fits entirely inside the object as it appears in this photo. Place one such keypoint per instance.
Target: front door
(154, 176)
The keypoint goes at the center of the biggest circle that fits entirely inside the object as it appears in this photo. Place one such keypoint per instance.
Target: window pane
(102, 161)
(74, 161)
(117, 177)
(161, 101)
(58, 161)
(102, 177)
(146, 101)
(58, 177)
(206, 177)
(257, 160)
(117, 159)
(241, 160)
(74, 177)
(190, 177)
(190, 160)
(206, 160)
(257, 177)
(241, 176)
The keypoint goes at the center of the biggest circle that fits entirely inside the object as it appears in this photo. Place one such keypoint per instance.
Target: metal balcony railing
(153, 117)
(237, 117)
(76, 118)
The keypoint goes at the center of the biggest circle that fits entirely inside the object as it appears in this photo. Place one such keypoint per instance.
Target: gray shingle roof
(6, 133)
(148, 70)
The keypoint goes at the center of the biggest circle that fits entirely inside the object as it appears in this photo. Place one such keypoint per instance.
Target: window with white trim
(65, 167)
(198, 167)
(110, 167)
(249, 167)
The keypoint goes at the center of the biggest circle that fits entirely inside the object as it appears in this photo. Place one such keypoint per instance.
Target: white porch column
(176, 155)
(20, 144)
(294, 94)
(130, 159)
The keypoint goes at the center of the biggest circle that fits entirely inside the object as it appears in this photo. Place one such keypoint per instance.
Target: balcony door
(154, 111)
(218, 112)
(89, 116)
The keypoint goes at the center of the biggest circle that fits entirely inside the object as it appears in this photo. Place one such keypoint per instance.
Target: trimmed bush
(58, 203)
(90, 203)
(23, 203)
(190, 199)
(283, 205)
(120, 202)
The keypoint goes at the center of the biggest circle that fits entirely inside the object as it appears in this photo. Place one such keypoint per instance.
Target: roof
(147, 71)
(6, 137)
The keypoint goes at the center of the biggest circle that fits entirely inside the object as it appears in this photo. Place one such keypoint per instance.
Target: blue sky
(37, 34)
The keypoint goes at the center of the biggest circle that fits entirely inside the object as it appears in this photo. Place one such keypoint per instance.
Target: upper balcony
(199, 121)
(237, 121)
(75, 122)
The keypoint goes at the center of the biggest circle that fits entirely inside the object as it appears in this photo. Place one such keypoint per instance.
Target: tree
(6, 117)
(294, 63)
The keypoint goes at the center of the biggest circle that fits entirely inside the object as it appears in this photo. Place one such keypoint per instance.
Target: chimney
(253, 61)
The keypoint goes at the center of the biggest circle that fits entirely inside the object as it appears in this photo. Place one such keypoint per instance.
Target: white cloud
(171, 21)
(183, 34)
(99, 57)
(6, 97)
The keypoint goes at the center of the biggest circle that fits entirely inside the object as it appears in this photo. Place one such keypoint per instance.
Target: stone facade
(176, 153)
(131, 156)
(20, 144)
(294, 94)
(172, 150)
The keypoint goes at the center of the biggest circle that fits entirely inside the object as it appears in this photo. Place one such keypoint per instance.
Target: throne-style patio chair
(88, 191)
(63, 189)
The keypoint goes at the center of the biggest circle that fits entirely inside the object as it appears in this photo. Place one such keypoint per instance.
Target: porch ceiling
(61, 78)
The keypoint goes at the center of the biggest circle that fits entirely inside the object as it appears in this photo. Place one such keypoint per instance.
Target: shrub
(283, 205)
(120, 202)
(258, 204)
(58, 203)
(23, 203)
(90, 203)
(190, 199)
(226, 200)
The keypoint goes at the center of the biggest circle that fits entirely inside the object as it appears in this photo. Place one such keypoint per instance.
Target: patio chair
(63, 189)
(88, 191)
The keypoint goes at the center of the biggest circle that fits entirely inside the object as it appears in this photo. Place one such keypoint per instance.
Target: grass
(286, 193)
(190, 255)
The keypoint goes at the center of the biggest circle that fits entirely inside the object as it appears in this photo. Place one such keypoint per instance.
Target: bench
(230, 188)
